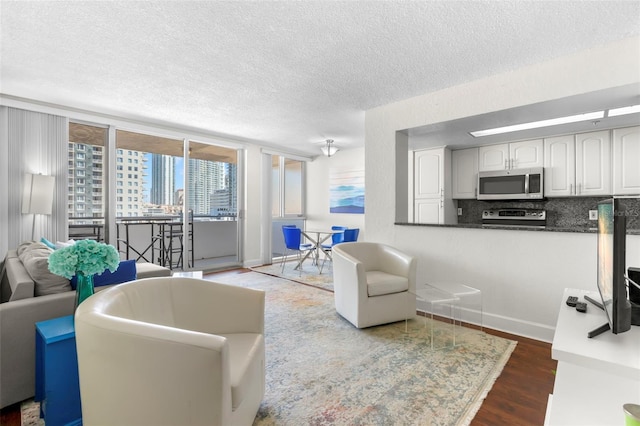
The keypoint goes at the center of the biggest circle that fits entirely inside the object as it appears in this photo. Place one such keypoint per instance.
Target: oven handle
(526, 183)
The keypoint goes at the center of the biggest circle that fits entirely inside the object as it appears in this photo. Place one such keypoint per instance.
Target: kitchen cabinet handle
(570, 189)
(506, 164)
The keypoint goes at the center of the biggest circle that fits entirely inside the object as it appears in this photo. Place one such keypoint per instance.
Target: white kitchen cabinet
(514, 155)
(493, 157)
(428, 173)
(464, 173)
(593, 163)
(560, 166)
(428, 211)
(432, 201)
(626, 161)
(578, 165)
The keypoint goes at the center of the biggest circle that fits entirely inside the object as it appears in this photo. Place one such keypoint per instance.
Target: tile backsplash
(561, 212)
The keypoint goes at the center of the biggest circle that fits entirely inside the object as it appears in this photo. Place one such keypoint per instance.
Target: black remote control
(581, 307)
(572, 300)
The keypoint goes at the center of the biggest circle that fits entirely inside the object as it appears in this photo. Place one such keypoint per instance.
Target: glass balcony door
(211, 197)
(168, 201)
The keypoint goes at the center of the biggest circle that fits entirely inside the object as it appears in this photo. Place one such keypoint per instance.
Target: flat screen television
(611, 252)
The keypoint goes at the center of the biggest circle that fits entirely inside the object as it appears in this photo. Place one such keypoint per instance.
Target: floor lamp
(37, 197)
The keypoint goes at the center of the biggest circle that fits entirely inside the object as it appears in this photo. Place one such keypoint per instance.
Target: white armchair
(169, 351)
(373, 283)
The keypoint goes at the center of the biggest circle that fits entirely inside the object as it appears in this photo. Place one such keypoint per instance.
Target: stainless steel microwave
(514, 184)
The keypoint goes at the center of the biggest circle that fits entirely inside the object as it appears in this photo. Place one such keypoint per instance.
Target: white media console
(595, 376)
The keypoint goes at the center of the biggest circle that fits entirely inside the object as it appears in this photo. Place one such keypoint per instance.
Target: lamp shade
(37, 197)
(329, 149)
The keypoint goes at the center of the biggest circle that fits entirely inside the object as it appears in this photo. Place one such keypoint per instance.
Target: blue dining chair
(336, 238)
(351, 235)
(293, 243)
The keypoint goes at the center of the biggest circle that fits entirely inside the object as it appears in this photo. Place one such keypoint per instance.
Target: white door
(464, 170)
(593, 163)
(626, 161)
(559, 166)
(526, 154)
(493, 157)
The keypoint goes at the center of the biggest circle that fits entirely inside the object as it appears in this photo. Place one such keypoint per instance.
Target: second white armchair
(373, 283)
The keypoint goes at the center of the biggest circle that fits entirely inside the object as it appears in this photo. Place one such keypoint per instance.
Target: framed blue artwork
(346, 191)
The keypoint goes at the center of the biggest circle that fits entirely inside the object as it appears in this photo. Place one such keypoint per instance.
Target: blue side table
(57, 384)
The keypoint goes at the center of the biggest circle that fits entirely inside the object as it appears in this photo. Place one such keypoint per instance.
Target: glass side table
(470, 301)
(441, 303)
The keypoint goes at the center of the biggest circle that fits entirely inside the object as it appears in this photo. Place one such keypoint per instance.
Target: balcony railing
(138, 238)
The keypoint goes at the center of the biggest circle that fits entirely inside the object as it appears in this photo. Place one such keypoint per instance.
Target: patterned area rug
(323, 371)
(30, 413)
(309, 275)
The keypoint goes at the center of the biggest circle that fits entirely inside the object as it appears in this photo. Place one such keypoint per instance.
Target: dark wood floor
(518, 397)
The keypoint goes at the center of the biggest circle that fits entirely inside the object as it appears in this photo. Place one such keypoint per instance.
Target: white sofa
(168, 351)
(373, 283)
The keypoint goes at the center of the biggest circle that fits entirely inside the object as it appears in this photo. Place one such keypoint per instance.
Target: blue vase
(84, 287)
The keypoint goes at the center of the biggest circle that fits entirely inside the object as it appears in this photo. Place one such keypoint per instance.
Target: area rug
(30, 413)
(310, 274)
(321, 370)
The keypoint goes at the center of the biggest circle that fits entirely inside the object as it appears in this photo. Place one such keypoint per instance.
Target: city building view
(147, 183)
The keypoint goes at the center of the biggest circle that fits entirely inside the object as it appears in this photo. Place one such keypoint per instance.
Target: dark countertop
(514, 228)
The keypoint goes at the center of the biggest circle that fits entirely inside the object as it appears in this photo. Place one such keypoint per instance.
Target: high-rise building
(204, 178)
(163, 185)
(130, 180)
(87, 182)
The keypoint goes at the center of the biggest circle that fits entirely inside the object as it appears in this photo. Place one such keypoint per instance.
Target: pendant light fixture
(329, 149)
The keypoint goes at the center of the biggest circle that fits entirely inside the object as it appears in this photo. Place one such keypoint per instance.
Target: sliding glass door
(169, 201)
(211, 198)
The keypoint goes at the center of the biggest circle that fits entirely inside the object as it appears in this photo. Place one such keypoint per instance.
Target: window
(86, 143)
(287, 178)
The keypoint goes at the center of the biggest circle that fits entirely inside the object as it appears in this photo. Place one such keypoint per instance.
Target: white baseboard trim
(519, 327)
(509, 325)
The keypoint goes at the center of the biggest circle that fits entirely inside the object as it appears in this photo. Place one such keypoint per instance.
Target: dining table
(317, 237)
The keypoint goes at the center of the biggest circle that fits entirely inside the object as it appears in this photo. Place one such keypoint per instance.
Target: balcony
(138, 238)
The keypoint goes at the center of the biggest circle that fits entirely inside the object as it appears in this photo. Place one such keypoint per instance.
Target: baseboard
(510, 325)
(519, 327)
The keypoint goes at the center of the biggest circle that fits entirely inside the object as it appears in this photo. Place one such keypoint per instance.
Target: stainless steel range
(515, 217)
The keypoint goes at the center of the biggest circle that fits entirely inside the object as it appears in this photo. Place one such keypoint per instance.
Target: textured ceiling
(286, 73)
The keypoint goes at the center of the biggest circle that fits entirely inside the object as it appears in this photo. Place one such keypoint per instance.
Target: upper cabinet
(432, 187)
(560, 166)
(626, 161)
(464, 173)
(515, 155)
(578, 165)
(593, 163)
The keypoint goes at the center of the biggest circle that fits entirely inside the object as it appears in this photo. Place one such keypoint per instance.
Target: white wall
(521, 274)
(317, 203)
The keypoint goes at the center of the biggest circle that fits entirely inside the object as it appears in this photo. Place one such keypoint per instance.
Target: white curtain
(37, 143)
